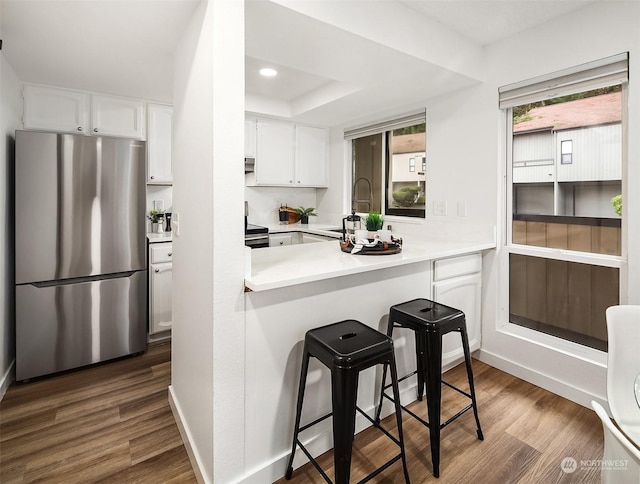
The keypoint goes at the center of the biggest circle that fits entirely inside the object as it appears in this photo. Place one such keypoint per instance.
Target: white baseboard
(7, 379)
(318, 444)
(186, 438)
(548, 382)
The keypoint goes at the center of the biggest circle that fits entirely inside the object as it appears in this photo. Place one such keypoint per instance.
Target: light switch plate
(440, 208)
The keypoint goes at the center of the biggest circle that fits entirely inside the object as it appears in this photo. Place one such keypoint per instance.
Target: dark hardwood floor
(112, 423)
(528, 431)
(107, 423)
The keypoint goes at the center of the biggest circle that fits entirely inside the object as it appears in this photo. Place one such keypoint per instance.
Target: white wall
(207, 389)
(10, 120)
(471, 172)
(599, 30)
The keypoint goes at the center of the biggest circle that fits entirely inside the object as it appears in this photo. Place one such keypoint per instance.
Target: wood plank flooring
(527, 433)
(112, 423)
(107, 423)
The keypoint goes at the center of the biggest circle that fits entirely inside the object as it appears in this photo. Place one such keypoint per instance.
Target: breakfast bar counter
(294, 288)
(277, 267)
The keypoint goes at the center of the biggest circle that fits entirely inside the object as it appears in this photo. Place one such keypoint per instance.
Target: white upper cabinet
(250, 133)
(52, 109)
(116, 116)
(311, 156)
(67, 111)
(275, 153)
(159, 129)
(288, 154)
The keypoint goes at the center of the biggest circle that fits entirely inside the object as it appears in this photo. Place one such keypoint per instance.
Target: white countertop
(276, 267)
(154, 238)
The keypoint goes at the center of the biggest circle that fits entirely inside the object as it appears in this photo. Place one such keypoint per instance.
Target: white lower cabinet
(458, 283)
(280, 239)
(160, 287)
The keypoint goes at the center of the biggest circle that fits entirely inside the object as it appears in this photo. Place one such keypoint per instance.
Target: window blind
(585, 77)
(389, 125)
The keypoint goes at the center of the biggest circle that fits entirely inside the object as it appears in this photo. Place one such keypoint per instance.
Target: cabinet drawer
(457, 266)
(161, 253)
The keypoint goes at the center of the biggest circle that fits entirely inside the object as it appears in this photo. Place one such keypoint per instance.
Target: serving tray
(381, 248)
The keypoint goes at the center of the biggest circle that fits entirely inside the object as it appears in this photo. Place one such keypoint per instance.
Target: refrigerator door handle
(77, 280)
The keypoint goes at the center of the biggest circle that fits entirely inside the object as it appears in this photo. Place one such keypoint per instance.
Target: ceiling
(487, 21)
(329, 73)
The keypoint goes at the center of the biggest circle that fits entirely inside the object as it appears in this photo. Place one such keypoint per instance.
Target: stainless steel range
(256, 236)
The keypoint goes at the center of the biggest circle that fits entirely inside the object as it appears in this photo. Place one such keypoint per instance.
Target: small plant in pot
(374, 221)
(156, 217)
(305, 213)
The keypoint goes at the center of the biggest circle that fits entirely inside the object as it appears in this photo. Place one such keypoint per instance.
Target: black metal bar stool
(430, 321)
(346, 348)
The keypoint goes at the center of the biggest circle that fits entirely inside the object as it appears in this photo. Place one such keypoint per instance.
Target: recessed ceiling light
(268, 72)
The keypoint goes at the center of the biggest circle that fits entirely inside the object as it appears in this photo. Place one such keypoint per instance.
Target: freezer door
(60, 327)
(80, 206)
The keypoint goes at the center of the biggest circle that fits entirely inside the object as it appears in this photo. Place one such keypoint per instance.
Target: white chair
(617, 450)
(623, 366)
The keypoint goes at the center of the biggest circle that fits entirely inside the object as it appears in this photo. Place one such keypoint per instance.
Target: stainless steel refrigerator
(80, 244)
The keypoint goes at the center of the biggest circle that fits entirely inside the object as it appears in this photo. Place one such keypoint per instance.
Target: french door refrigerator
(80, 247)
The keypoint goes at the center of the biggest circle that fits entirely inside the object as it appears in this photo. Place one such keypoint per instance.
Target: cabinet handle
(156, 271)
(152, 177)
(290, 181)
(79, 128)
(298, 181)
(95, 130)
(170, 254)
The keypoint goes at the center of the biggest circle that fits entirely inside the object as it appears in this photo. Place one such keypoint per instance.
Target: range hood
(249, 164)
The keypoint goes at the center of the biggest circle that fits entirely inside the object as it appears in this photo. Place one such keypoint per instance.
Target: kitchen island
(292, 289)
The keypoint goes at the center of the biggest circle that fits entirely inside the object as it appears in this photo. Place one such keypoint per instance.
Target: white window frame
(396, 122)
(618, 75)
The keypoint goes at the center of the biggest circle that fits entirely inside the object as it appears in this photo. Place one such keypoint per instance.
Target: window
(389, 167)
(566, 152)
(564, 238)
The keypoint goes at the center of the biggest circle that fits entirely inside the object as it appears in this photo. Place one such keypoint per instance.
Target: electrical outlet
(462, 209)
(440, 208)
(158, 204)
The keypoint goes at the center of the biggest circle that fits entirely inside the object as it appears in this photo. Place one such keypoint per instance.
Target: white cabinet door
(311, 156)
(280, 239)
(462, 293)
(52, 109)
(159, 131)
(116, 116)
(160, 297)
(250, 134)
(275, 153)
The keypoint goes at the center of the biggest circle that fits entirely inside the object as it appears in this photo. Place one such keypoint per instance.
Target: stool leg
(433, 364)
(467, 361)
(379, 409)
(296, 428)
(420, 349)
(344, 390)
(396, 400)
(384, 369)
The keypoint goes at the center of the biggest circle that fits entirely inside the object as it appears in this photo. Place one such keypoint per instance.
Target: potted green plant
(156, 217)
(617, 204)
(305, 213)
(374, 222)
